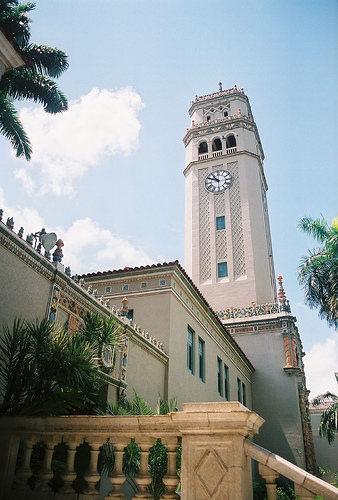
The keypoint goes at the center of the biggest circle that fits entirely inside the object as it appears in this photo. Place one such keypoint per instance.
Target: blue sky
(107, 175)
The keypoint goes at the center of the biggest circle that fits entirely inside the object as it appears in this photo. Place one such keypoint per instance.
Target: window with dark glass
(219, 377)
(239, 390)
(190, 350)
(226, 383)
(243, 394)
(220, 223)
(222, 269)
(201, 359)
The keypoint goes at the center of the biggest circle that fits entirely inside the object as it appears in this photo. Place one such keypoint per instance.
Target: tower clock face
(218, 181)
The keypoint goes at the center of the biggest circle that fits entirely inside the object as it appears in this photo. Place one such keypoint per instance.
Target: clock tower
(228, 251)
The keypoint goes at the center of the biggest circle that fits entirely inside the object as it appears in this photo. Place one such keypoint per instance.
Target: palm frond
(318, 272)
(329, 423)
(15, 21)
(321, 398)
(47, 60)
(11, 127)
(317, 228)
(25, 84)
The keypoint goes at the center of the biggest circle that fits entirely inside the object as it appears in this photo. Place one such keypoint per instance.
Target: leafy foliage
(318, 272)
(329, 419)
(46, 371)
(33, 81)
(99, 332)
(284, 491)
(158, 459)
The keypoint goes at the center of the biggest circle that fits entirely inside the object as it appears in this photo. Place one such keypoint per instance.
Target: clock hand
(215, 178)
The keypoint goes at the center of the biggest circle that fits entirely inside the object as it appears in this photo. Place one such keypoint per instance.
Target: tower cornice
(232, 156)
(223, 125)
(217, 97)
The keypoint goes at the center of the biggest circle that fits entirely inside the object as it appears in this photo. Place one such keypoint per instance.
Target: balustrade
(92, 476)
(215, 460)
(69, 474)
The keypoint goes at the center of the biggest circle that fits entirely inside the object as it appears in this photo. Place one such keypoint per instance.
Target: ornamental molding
(27, 255)
(79, 295)
(217, 126)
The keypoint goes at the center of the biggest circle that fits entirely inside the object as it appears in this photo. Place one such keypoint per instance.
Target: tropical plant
(138, 406)
(329, 418)
(283, 490)
(99, 331)
(158, 459)
(47, 371)
(34, 81)
(318, 272)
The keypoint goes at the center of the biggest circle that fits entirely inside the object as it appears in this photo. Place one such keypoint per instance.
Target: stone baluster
(143, 479)
(270, 477)
(69, 474)
(304, 494)
(117, 478)
(25, 472)
(46, 473)
(92, 476)
(171, 478)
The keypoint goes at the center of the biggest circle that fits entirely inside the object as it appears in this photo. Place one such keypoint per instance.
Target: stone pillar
(118, 478)
(270, 477)
(171, 478)
(214, 464)
(143, 478)
(46, 473)
(69, 474)
(92, 476)
(25, 471)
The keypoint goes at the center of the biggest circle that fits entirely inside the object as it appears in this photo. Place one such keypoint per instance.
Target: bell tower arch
(228, 250)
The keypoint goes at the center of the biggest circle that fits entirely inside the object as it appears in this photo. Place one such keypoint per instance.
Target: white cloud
(98, 125)
(87, 246)
(321, 362)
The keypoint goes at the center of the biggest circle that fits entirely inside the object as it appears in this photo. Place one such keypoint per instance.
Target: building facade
(218, 331)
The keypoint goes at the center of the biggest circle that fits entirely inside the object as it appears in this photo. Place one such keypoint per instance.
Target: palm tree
(318, 272)
(34, 81)
(329, 419)
(47, 371)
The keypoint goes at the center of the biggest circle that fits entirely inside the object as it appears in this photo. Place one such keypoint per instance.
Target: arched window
(202, 148)
(231, 141)
(217, 145)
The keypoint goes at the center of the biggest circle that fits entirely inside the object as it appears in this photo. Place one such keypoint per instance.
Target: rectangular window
(243, 394)
(125, 287)
(239, 390)
(220, 223)
(222, 269)
(201, 360)
(190, 350)
(162, 282)
(143, 284)
(219, 377)
(108, 289)
(226, 383)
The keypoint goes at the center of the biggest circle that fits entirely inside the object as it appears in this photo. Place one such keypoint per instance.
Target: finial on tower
(220, 86)
(284, 303)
